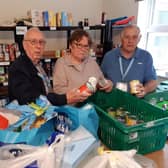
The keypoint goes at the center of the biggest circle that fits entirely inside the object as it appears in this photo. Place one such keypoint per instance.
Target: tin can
(133, 86)
(111, 111)
(119, 111)
(58, 53)
(89, 86)
(131, 120)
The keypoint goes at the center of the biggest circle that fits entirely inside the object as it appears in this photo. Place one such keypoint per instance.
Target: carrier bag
(21, 131)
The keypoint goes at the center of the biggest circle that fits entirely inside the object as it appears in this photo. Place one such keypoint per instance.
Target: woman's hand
(75, 96)
(107, 87)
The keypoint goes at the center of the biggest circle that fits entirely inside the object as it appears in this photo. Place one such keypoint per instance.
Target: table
(160, 157)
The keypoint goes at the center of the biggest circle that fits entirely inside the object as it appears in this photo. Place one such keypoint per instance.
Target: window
(153, 22)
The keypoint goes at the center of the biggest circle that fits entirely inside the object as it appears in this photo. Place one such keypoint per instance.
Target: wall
(80, 9)
(11, 9)
(119, 8)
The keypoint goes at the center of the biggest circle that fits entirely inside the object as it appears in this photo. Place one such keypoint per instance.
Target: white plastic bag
(46, 156)
(114, 159)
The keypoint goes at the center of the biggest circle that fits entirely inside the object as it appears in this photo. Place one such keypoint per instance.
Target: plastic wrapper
(114, 159)
(21, 155)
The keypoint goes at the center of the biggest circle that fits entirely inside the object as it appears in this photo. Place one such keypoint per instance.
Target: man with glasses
(75, 68)
(27, 79)
(130, 63)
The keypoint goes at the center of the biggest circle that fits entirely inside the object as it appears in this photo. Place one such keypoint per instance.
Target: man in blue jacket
(128, 62)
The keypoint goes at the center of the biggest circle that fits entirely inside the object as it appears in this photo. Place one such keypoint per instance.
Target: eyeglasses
(134, 38)
(80, 46)
(34, 42)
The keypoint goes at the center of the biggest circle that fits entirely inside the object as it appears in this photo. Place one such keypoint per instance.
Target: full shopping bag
(34, 136)
(85, 116)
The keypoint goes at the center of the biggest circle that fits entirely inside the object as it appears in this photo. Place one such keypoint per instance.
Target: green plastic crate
(145, 137)
(159, 96)
(157, 99)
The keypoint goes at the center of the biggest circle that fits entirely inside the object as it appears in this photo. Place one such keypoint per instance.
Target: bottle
(86, 22)
(89, 86)
(103, 17)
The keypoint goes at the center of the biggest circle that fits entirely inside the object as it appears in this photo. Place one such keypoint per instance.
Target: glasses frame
(81, 46)
(34, 42)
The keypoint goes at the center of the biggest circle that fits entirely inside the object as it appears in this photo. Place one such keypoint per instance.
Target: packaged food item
(111, 111)
(131, 120)
(4, 123)
(133, 86)
(38, 122)
(89, 86)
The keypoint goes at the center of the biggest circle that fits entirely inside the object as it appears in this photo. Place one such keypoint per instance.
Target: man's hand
(140, 90)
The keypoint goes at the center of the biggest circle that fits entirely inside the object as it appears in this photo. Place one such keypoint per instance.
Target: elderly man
(127, 63)
(27, 79)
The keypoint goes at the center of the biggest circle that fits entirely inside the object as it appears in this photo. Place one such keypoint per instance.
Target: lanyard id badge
(122, 86)
(124, 74)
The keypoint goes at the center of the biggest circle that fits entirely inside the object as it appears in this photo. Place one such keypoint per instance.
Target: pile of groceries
(124, 116)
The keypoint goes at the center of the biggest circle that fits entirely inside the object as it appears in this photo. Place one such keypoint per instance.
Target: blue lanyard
(128, 68)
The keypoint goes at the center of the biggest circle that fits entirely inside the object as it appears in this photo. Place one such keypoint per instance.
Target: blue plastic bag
(85, 116)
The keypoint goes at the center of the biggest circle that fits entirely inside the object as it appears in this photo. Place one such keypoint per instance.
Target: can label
(133, 86)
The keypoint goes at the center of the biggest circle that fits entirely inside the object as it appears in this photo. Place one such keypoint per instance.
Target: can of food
(133, 86)
(89, 86)
(111, 111)
(119, 111)
(131, 120)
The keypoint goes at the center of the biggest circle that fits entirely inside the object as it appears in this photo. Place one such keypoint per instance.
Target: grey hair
(36, 29)
(130, 26)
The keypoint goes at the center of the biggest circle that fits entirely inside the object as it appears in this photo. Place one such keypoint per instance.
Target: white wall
(10, 9)
(92, 9)
(118, 8)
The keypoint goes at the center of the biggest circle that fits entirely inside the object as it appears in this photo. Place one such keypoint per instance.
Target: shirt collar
(70, 63)
(135, 54)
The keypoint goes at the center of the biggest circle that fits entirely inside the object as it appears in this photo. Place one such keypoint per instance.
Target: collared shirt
(68, 75)
(44, 77)
(142, 68)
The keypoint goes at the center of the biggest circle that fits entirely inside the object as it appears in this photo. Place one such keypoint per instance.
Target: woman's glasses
(81, 46)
